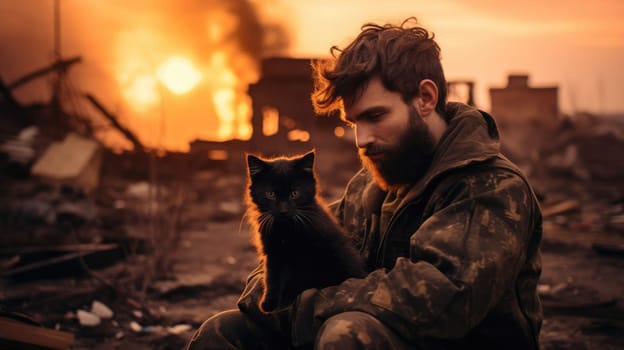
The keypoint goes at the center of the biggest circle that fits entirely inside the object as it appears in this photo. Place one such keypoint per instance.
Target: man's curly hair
(402, 56)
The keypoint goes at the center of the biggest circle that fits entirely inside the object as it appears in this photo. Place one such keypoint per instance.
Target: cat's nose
(283, 208)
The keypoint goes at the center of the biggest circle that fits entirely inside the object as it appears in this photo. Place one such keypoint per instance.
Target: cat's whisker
(304, 219)
(246, 219)
(300, 220)
(265, 222)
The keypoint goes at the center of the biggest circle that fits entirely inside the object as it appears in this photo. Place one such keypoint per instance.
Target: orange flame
(179, 75)
(181, 94)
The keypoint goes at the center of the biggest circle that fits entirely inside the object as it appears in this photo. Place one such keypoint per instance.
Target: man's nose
(363, 136)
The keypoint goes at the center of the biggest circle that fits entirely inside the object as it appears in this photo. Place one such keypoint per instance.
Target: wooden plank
(58, 65)
(138, 146)
(42, 263)
(561, 208)
(54, 260)
(59, 248)
(34, 335)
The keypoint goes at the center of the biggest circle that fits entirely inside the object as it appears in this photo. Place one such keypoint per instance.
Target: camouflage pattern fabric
(357, 330)
(232, 329)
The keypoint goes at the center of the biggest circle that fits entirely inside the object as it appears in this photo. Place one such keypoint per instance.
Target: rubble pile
(138, 249)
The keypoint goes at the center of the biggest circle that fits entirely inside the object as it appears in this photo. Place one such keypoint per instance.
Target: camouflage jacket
(459, 262)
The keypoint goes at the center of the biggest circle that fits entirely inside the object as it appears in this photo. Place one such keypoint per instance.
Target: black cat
(298, 240)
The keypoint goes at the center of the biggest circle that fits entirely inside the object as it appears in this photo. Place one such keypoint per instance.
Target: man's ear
(427, 99)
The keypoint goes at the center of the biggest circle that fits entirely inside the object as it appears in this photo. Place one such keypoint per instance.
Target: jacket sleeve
(462, 259)
(249, 299)
(249, 303)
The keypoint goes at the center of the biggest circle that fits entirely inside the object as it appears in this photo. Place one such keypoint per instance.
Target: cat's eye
(270, 195)
(294, 194)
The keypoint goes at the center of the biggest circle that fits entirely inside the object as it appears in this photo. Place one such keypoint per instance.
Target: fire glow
(169, 72)
(179, 75)
(180, 93)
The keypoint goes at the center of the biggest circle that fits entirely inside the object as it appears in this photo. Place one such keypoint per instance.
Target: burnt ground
(183, 253)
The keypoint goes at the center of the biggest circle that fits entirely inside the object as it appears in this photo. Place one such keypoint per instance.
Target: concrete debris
(35, 210)
(144, 191)
(547, 290)
(587, 151)
(568, 162)
(100, 309)
(616, 222)
(52, 209)
(135, 327)
(88, 319)
(20, 149)
(179, 329)
(74, 162)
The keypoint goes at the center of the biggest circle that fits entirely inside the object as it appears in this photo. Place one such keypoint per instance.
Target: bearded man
(450, 228)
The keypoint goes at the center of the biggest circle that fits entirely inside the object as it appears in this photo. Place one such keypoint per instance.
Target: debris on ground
(139, 258)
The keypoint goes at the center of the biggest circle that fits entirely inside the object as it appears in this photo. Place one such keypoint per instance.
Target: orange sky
(574, 44)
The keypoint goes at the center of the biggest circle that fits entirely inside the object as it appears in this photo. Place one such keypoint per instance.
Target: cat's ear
(306, 163)
(254, 164)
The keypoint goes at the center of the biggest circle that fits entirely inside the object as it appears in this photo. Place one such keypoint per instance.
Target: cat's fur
(298, 240)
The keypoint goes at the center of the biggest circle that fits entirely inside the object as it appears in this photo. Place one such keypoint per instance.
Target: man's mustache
(372, 150)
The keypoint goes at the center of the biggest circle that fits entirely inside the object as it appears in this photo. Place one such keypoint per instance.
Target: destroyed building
(525, 115)
(519, 103)
(283, 120)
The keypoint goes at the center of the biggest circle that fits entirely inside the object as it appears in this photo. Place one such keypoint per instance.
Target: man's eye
(375, 117)
(294, 194)
(270, 195)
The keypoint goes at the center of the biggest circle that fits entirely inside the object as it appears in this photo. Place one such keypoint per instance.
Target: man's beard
(406, 162)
